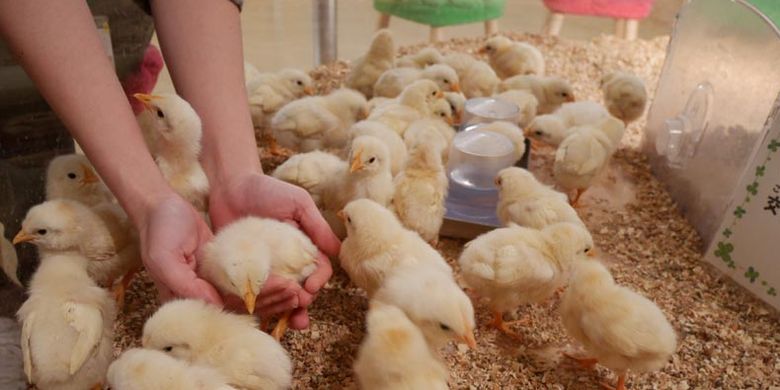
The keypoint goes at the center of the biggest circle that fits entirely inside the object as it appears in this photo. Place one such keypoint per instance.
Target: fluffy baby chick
(516, 265)
(457, 101)
(477, 78)
(509, 58)
(392, 82)
(582, 156)
(525, 201)
(510, 131)
(624, 95)
(552, 129)
(237, 261)
(417, 101)
(394, 354)
(250, 74)
(395, 144)
(550, 92)
(312, 171)
(71, 176)
(433, 301)
(8, 260)
(377, 243)
(146, 369)
(434, 133)
(199, 333)
(621, 329)
(175, 133)
(420, 190)
(526, 103)
(319, 122)
(422, 59)
(367, 68)
(67, 326)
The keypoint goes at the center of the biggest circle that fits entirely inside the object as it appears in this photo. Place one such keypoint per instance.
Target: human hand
(264, 196)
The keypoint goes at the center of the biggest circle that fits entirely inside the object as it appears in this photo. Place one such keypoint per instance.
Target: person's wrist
(139, 205)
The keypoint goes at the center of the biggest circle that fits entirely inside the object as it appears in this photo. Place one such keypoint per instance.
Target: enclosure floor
(727, 338)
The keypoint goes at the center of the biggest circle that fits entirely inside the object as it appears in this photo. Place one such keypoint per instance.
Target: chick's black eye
(160, 114)
(299, 82)
(538, 132)
(168, 349)
(444, 327)
(442, 114)
(446, 81)
(371, 160)
(71, 175)
(41, 232)
(349, 220)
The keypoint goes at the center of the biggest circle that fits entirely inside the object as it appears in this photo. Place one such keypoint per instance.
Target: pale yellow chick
(312, 171)
(71, 176)
(550, 92)
(175, 133)
(584, 154)
(394, 355)
(525, 201)
(526, 103)
(367, 68)
(392, 82)
(146, 369)
(377, 243)
(510, 131)
(515, 265)
(435, 133)
(624, 95)
(199, 333)
(422, 59)
(9, 262)
(395, 144)
(417, 101)
(619, 328)
(552, 129)
(477, 78)
(319, 122)
(457, 101)
(509, 58)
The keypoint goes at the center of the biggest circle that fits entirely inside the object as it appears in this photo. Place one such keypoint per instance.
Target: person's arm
(57, 44)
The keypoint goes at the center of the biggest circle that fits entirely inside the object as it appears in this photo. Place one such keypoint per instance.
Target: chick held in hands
(148, 369)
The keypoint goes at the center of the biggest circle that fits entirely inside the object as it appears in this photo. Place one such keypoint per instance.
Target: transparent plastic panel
(717, 89)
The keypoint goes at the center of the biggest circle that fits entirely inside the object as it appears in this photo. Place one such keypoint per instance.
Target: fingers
(315, 226)
(280, 307)
(182, 281)
(321, 275)
(299, 319)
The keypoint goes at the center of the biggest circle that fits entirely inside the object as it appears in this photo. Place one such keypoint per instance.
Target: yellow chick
(250, 74)
(420, 190)
(377, 243)
(435, 133)
(420, 60)
(395, 144)
(457, 101)
(552, 129)
(146, 369)
(525, 201)
(621, 329)
(510, 131)
(237, 261)
(624, 95)
(582, 156)
(312, 171)
(433, 301)
(526, 103)
(515, 265)
(417, 101)
(8, 260)
(71, 176)
(175, 132)
(509, 58)
(550, 92)
(319, 122)
(367, 68)
(196, 332)
(392, 82)
(394, 354)
(477, 78)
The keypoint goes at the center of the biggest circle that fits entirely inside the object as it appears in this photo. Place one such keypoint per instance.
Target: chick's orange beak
(308, 90)
(570, 98)
(457, 119)
(249, 297)
(591, 252)
(146, 99)
(482, 50)
(450, 120)
(357, 162)
(22, 237)
(89, 175)
(439, 94)
(455, 87)
(342, 215)
(469, 339)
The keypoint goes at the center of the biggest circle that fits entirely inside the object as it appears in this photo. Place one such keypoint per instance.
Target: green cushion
(439, 13)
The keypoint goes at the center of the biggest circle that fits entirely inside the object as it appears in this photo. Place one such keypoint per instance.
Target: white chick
(552, 129)
(392, 82)
(395, 144)
(583, 155)
(420, 190)
(515, 265)
(9, 262)
(433, 301)
(509, 58)
(377, 243)
(319, 122)
(624, 95)
(71, 176)
(311, 171)
(477, 78)
(199, 333)
(250, 73)
(550, 92)
(510, 131)
(175, 132)
(367, 68)
(237, 262)
(457, 101)
(526, 103)
(146, 369)
(417, 101)
(435, 133)
(621, 329)
(67, 326)
(525, 201)
(422, 59)
(394, 354)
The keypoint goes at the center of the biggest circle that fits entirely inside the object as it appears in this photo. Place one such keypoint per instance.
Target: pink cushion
(622, 9)
(144, 79)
